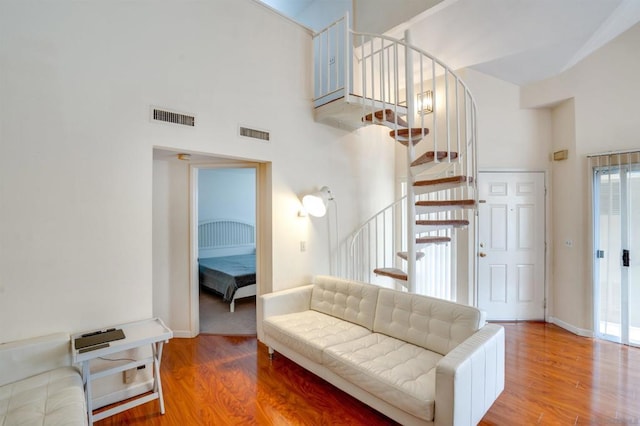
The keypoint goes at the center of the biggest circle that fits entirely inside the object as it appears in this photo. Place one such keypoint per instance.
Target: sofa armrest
(282, 302)
(28, 357)
(296, 299)
(470, 378)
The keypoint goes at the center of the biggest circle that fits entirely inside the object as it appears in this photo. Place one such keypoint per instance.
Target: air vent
(253, 133)
(174, 117)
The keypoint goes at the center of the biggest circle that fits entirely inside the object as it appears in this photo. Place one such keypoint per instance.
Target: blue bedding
(226, 274)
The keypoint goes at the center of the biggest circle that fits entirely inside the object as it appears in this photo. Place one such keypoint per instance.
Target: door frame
(547, 236)
(624, 338)
(263, 234)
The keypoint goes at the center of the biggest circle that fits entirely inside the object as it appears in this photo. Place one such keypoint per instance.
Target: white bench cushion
(52, 398)
(397, 372)
(309, 332)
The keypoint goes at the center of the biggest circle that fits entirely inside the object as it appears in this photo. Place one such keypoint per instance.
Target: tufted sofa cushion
(351, 301)
(52, 398)
(434, 324)
(310, 332)
(397, 372)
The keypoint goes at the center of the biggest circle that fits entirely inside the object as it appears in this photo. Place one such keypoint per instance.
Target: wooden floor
(552, 378)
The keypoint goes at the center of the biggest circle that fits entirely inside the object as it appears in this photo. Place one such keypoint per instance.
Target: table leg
(86, 378)
(157, 357)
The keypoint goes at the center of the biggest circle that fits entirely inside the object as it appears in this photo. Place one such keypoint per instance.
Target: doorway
(511, 245)
(175, 241)
(616, 237)
(226, 257)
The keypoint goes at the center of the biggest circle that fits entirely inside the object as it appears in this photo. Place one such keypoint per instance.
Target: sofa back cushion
(28, 357)
(348, 300)
(434, 324)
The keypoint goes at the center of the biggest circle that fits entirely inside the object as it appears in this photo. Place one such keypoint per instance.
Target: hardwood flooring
(552, 378)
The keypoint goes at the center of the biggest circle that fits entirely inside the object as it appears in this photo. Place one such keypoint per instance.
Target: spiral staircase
(365, 79)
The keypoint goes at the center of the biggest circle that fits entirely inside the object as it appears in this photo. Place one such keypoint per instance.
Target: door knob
(481, 254)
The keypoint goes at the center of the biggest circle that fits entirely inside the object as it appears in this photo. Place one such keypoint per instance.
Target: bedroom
(226, 249)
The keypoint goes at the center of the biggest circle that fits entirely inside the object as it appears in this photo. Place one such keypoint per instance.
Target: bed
(227, 259)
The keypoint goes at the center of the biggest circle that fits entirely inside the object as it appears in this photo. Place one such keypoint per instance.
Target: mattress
(226, 274)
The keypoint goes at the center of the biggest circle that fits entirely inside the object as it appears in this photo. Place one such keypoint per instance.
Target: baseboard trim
(183, 334)
(569, 327)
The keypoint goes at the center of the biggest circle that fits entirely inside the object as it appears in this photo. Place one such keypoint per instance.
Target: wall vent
(254, 133)
(173, 117)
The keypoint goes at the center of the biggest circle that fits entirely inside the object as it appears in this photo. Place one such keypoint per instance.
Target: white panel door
(511, 234)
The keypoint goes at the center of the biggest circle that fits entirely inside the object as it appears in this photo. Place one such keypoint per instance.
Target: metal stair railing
(377, 72)
(381, 237)
(375, 242)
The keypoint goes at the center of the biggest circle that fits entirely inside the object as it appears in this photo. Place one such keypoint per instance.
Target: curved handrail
(362, 227)
(415, 49)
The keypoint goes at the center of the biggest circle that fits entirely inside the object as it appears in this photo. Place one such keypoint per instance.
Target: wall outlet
(129, 375)
(303, 246)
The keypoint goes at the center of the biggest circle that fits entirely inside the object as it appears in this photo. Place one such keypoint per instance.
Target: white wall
(604, 89)
(76, 174)
(171, 251)
(379, 16)
(227, 193)
(509, 137)
(568, 267)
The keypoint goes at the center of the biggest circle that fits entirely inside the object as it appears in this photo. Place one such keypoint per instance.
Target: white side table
(137, 334)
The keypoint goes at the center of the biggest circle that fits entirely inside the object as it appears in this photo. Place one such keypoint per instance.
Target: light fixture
(316, 203)
(425, 103)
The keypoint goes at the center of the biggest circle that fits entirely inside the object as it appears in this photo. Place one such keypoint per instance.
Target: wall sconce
(316, 203)
(425, 102)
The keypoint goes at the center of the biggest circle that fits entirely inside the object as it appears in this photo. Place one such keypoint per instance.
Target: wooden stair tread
(444, 181)
(402, 135)
(440, 184)
(453, 223)
(429, 156)
(405, 255)
(432, 240)
(386, 118)
(436, 203)
(394, 273)
(405, 132)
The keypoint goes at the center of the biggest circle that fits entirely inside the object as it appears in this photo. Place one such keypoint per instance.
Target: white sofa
(417, 359)
(38, 385)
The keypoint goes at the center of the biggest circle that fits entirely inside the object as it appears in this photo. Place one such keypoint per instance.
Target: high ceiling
(291, 8)
(519, 41)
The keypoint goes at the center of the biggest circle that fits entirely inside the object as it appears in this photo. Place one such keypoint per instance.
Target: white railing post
(434, 114)
(411, 199)
(348, 45)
